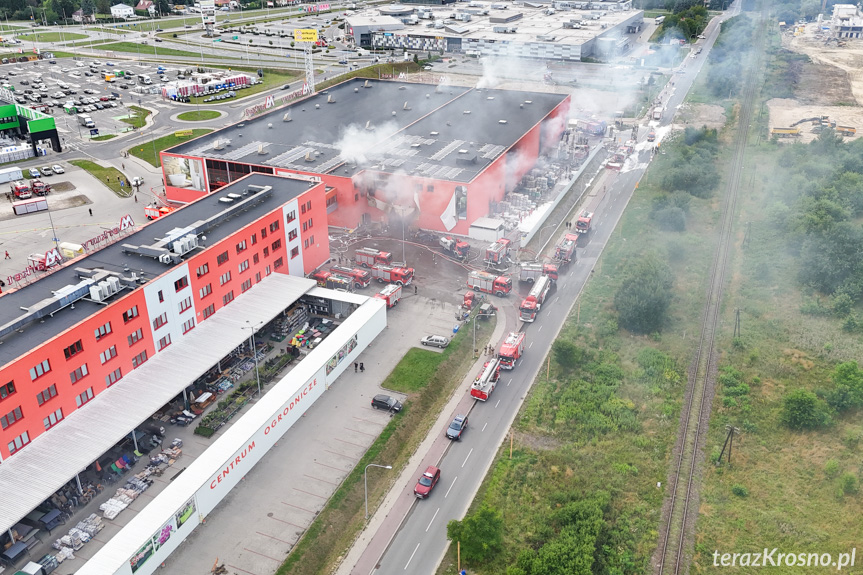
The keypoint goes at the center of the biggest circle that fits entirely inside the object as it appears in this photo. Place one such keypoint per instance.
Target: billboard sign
(305, 35)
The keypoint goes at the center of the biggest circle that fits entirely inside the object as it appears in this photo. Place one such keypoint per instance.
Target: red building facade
(56, 377)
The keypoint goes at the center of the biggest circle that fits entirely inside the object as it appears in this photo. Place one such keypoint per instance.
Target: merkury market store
(438, 156)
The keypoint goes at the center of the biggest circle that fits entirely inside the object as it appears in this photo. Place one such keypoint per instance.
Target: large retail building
(439, 157)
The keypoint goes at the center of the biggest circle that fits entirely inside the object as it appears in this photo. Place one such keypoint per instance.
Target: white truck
(86, 121)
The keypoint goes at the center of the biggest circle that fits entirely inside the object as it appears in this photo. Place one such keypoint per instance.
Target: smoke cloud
(357, 143)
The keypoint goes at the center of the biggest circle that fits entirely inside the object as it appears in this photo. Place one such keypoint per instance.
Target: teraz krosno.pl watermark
(776, 558)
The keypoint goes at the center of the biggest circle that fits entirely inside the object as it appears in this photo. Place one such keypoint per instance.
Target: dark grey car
(386, 402)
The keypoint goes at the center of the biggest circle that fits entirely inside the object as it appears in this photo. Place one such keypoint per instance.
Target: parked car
(385, 402)
(34, 173)
(46, 171)
(435, 340)
(457, 427)
(426, 482)
(57, 169)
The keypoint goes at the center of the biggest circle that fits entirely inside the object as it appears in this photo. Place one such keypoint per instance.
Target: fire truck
(21, 190)
(361, 278)
(332, 281)
(511, 350)
(564, 252)
(40, 188)
(393, 275)
(489, 283)
(154, 212)
(368, 257)
(530, 272)
(457, 248)
(486, 381)
(582, 225)
(533, 302)
(390, 294)
(497, 254)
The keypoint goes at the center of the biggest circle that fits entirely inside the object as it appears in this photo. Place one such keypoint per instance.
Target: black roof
(383, 125)
(113, 258)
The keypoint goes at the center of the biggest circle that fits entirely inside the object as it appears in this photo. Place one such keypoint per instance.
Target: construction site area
(829, 88)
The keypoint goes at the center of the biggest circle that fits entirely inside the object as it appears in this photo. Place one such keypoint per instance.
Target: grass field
(603, 423)
(51, 37)
(110, 176)
(198, 115)
(148, 50)
(144, 150)
(431, 379)
(103, 137)
(138, 117)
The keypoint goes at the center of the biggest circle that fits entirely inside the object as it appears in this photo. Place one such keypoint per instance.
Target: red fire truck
(21, 190)
(332, 281)
(393, 275)
(530, 272)
(457, 248)
(564, 252)
(361, 278)
(582, 225)
(489, 283)
(368, 257)
(496, 254)
(511, 350)
(390, 294)
(533, 302)
(485, 382)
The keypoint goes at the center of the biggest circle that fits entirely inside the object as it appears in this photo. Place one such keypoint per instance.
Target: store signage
(290, 406)
(305, 35)
(253, 111)
(183, 133)
(126, 222)
(317, 8)
(229, 467)
(38, 264)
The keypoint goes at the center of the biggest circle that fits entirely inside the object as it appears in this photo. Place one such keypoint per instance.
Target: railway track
(681, 508)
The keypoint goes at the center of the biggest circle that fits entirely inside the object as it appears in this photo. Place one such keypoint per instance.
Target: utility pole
(737, 322)
(729, 442)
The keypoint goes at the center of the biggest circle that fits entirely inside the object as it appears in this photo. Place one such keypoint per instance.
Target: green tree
(103, 6)
(88, 7)
(480, 534)
(801, 409)
(62, 7)
(644, 296)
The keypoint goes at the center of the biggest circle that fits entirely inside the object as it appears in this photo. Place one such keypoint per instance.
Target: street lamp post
(255, 352)
(366, 482)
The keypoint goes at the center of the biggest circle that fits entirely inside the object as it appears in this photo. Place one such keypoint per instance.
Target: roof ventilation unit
(226, 200)
(406, 107)
(369, 125)
(219, 144)
(330, 99)
(165, 258)
(286, 117)
(403, 87)
(501, 121)
(261, 150)
(466, 112)
(367, 84)
(434, 134)
(270, 126)
(490, 98)
(95, 293)
(394, 112)
(356, 90)
(310, 157)
(528, 102)
(317, 106)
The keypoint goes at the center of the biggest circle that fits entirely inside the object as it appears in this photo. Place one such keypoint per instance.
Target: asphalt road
(421, 542)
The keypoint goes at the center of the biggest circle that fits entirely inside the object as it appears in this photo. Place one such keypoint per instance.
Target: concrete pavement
(382, 527)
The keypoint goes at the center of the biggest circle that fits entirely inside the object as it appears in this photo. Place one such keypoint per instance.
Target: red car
(427, 482)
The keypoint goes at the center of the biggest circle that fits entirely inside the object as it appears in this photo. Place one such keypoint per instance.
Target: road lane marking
(412, 556)
(483, 427)
(445, 494)
(432, 520)
(466, 458)
(555, 299)
(530, 346)
(521, 360)
(540, 328)
(508, 382)
(496, 404)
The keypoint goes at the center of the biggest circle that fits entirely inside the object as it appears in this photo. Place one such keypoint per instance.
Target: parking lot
(65, 88)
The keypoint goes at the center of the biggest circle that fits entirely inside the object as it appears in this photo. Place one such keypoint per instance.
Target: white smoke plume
(357, 143)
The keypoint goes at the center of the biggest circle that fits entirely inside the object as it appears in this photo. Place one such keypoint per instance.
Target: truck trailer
(531, 305)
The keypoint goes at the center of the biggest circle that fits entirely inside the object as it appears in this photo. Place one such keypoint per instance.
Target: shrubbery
(644, 296)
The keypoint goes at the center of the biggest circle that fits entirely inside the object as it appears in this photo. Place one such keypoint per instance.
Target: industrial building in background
(437, 157)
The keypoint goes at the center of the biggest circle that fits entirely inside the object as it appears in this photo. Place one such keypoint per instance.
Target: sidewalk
(383, 525)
